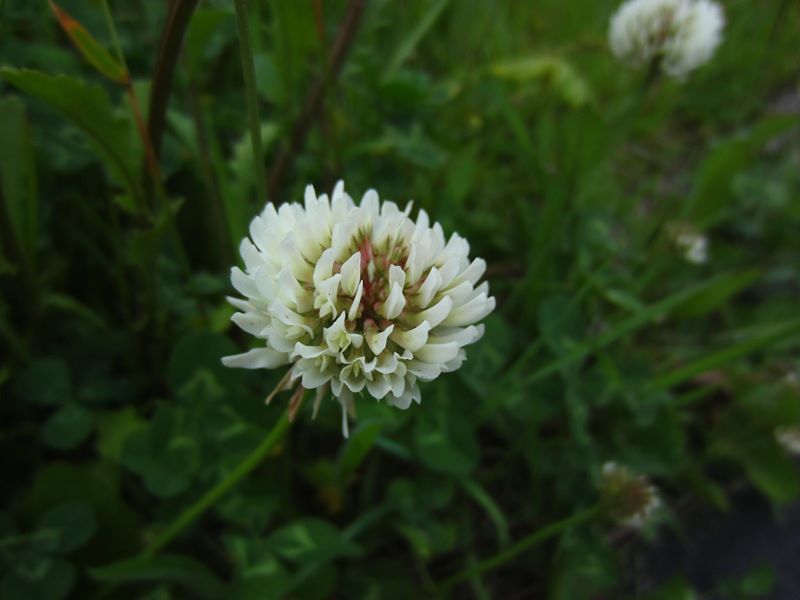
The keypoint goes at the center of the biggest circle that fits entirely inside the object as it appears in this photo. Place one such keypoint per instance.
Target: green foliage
(508, 122)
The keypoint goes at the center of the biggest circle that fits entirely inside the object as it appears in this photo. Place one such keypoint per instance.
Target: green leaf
(446, 442)
(310, 540)
(88, 107)
(716, 295)
(54, 582)
(556, 71)
(45, 381)
(493, 510)
(68, 427)
(428, 18)
(18, 178)
(113, 429)
(74, 523)
(172, 568)
(95, 54)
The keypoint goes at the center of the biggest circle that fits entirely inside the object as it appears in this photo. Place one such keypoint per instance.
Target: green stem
(250, 462)
(538, 536)
(249, 73)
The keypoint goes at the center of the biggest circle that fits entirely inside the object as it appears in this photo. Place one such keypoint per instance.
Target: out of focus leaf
(74, 523)
(310, 540)
(68, 427)
(173, 568)
(358, 446)
(553, 70)
(88, 107)
(94, 53)
(18, 178)
(45, 381)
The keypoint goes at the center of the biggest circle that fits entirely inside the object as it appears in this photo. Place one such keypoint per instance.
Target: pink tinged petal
(251, 322)
(433, 315)
(474, 271)
(428, 289)
(394, 304)
(474, 310)
(352, 313)
(351, 274)
(244, 284)
(437, 353)
(258, 358)
(377, 340)
(412, 339)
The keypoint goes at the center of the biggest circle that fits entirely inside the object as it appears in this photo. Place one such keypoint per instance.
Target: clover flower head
(358, 297)
(789, 439)
(677, 35)
(629, 499)
(692, 244)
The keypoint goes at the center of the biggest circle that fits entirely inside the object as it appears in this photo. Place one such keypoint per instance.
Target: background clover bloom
(630, 499)
(358, 297)
(677, 35)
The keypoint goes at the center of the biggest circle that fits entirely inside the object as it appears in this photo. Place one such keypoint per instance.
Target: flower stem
(250, 462)
(521, 546)
(249, 73)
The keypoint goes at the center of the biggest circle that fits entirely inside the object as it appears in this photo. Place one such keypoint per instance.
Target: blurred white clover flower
(789, 439)
(677, 35)
(629, 499)
(358, 297)
(693, 244)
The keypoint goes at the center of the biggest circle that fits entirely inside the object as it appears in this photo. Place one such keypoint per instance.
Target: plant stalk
(250, 462)
(538, 536)
(251, 97)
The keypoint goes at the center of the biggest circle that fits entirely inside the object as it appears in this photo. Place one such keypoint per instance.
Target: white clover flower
(691, 243)
(358, 297)
(789, 439)
(680, 35)
(630, 499)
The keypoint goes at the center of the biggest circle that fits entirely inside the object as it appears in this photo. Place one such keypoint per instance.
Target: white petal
(428, 289)
(351, 274)
(251, 322)
(376, 340)
(438, 353)
(356, 303)
(474, 310)
(412, 339)
(433, 315)
(394, 304)
(258, 358)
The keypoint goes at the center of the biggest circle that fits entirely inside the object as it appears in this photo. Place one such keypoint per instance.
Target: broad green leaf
(18, 186)
(54, 581)
(89, 108)
(68, 427)
(92, 50)
(74, 524)
(173, 568)
(555, 71)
